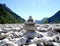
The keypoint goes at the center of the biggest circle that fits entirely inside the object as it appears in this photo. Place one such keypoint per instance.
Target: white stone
(8, 29)
(2, 34)
(56, 44)
(15, 41)
(35, 40)
(32, 45)
(0, 29)
(9, 42)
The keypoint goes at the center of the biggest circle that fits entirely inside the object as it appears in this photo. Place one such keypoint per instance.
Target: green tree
(45, 22)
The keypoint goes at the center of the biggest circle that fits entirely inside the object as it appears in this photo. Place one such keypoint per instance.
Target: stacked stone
(30, 28)
(30, 25)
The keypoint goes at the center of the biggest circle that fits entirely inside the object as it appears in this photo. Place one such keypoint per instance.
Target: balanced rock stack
(30, 25)
(30, 28)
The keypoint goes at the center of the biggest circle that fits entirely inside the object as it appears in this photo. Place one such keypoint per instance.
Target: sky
(38, 9)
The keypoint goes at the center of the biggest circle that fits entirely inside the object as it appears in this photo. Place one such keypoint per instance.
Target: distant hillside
(41, 21)
(8, 16)
(55, 18)
(37, 21)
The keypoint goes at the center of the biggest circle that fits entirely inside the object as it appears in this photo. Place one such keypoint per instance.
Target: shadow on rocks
(47, 43)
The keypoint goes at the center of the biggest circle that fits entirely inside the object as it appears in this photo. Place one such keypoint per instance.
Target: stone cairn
(30, 28)
(30, 25)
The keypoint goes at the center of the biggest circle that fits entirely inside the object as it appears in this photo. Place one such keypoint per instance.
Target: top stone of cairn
(30, 18)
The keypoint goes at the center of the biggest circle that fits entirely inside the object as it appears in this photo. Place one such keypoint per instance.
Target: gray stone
(40, 44)
(2, 37)
(47, 43)
(30, 34)
(22, 41)
(3, 43)
(42, 29)
(40, 36)
(7, 44)
(50, 34)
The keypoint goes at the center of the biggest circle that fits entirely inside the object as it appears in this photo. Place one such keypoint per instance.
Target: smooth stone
(2, 37)
(32, 45)
(43, 30)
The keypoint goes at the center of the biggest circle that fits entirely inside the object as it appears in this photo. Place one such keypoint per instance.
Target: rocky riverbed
(13, 35)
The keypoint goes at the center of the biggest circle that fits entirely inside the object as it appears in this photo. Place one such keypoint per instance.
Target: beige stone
(30, 25)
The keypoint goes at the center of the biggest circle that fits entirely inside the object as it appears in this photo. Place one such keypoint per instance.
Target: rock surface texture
(16, 35)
